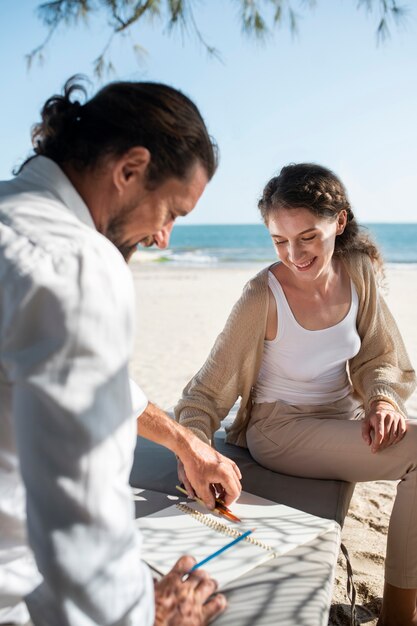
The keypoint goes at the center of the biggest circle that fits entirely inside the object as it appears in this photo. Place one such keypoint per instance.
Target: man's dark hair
(120, 116)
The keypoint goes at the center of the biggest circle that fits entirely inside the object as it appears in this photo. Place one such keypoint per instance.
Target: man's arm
(203, 466)
(66, 352)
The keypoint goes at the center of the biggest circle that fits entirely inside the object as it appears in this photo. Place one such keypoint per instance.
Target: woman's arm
(381, 371)
(231, 367)
(272, 318)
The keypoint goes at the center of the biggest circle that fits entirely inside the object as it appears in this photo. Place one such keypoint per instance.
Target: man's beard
(116, 231)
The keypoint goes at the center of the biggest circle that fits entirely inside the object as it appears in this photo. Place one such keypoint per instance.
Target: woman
(316, 357)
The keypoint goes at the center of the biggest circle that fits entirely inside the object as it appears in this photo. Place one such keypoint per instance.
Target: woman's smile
(302, 267)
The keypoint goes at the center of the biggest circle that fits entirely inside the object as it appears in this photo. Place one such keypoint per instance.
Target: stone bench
(292, 590)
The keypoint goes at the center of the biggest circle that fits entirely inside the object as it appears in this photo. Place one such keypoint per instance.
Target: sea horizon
(219, 245)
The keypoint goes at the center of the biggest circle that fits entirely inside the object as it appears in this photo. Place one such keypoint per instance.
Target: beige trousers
(326, 442)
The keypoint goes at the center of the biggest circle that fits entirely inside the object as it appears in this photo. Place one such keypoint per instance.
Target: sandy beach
(180, 311)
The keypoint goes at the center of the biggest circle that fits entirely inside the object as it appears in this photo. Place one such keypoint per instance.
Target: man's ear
(131, 167)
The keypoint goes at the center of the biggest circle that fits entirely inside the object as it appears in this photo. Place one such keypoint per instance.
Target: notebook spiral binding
(218, 526)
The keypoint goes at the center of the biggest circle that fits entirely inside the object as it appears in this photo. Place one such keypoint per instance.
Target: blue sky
(331, 95)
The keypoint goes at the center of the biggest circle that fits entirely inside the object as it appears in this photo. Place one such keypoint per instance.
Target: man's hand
(186, 603)
(383, 426)
(205, 471)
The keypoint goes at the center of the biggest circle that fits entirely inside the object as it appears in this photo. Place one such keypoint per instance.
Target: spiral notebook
(187, 528)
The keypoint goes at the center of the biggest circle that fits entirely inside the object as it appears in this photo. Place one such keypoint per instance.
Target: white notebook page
(171, 533)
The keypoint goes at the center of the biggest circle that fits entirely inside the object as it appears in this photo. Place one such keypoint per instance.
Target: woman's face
(305, 242)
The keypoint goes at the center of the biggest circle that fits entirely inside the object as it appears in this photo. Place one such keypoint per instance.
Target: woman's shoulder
(254, 296)
(363, 274)
(257, 287)
(358, 264)
(260, 280)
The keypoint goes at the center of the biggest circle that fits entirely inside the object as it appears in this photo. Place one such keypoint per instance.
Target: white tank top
(303, 366)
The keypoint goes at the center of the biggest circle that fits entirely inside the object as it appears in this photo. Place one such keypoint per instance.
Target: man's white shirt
(67, 420)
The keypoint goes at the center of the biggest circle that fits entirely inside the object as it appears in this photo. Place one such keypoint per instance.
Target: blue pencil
(226, 547)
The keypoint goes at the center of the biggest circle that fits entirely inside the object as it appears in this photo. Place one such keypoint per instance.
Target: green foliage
(258, 18)
(389, 10)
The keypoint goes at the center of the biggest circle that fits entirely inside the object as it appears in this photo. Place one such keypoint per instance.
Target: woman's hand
(383, 426)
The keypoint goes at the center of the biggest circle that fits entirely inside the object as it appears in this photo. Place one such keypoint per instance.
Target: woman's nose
(295, 253)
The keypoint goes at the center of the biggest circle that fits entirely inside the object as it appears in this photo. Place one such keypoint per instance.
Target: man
(105, 176)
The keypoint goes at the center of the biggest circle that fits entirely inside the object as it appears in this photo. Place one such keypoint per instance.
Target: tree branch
(254, 15)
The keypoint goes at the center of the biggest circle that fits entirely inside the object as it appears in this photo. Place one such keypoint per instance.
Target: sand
(180, 311)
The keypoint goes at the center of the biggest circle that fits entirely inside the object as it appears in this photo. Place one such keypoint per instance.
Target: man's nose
(161, 238)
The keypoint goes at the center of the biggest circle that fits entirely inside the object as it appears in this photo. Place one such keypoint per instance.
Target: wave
(220, 257)
(188, 257)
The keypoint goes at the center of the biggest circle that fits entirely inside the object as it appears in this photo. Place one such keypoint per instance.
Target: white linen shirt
(67, 422)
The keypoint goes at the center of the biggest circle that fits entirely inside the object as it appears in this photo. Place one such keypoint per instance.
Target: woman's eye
(277, 243)
(308, 238)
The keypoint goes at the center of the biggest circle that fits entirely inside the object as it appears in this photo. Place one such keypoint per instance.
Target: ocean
(246, 244)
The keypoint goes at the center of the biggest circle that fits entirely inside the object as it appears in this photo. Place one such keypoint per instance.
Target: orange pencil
(220, 509)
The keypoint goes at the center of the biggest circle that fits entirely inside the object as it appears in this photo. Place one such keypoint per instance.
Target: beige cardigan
(381, 369)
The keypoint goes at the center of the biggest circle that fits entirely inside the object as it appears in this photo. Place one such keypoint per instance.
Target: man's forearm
(156, 425)
(202, 464)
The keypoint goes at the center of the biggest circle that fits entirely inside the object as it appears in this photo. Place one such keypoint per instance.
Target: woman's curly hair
(318, 189)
